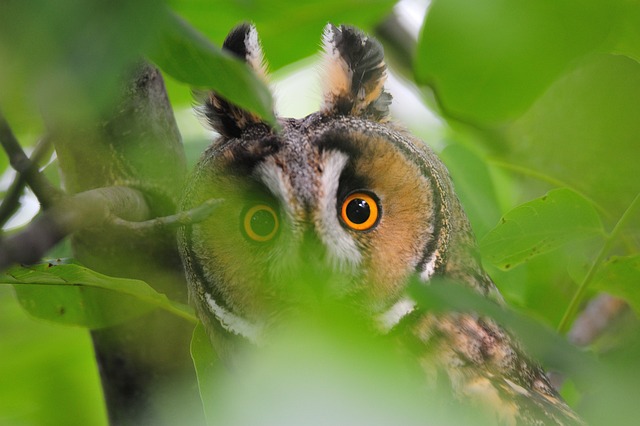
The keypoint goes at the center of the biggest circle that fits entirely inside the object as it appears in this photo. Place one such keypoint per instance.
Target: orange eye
(260, 223)
(360, 211)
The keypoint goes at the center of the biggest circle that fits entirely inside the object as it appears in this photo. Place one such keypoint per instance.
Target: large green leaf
(75, 295)
(189, 57)
(539, 226)
(49, 373)
(620, 276)
(473, 185)
(327, 368)
(488, 60)
(583, 131)
(64, 58)
(289, 29)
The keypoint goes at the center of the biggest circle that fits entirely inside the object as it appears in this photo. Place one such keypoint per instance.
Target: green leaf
(540, 226)
(64, 58)
(627, 32)
(290, 30)
(189, 57)
(46, 366)
(620, 276)
(473, 186)
(74, 295)
(488, 60)
(583, 131)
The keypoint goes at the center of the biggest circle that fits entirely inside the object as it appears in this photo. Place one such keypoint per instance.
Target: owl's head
(342, 203)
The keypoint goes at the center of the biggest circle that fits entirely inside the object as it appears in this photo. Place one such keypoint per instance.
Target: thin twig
(46, 193)
(595, 266)
(189, 217)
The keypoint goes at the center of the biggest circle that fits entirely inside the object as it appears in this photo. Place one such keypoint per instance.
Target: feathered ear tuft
(226, 118)
(355, 73)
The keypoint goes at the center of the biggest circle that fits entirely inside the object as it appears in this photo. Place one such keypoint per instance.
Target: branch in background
(43, 190)
(595, 319)
(84, 210)
(11, 201)
(119, 206)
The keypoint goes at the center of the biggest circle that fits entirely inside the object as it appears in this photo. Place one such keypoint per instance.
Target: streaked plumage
(344, 190)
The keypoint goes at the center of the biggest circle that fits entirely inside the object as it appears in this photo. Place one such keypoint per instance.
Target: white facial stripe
(235, 324)
(341, 247)
(278, 183)
(393, 315)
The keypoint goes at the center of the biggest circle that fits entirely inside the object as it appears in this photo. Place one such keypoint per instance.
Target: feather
(355, 73)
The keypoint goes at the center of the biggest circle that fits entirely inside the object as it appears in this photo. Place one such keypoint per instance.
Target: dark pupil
(358, 211)
(263, 222)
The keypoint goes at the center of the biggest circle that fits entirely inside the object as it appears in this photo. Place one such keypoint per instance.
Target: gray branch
(44, 191)
(85, 210)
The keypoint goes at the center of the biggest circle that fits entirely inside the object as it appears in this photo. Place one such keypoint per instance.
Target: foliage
(541, 104)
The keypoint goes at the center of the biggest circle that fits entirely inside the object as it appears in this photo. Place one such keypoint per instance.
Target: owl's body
(361, 206)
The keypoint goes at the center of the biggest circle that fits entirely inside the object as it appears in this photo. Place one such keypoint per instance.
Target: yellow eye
(360, 211)
(260, 223)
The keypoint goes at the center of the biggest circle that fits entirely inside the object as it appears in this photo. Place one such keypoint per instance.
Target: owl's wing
(486, 368)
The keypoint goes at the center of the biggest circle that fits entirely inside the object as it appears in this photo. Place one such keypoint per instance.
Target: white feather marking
(429, 267)
(517, 387)
(342, 249)
(393, 315)
(255, 56)
(235, 324)
(278, 183)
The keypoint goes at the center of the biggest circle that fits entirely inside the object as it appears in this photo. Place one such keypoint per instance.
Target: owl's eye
(260, 223)
(360, 211)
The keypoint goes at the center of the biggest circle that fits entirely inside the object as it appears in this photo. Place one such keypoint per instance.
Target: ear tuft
(226, 118)
(244, 43)
(355, 73)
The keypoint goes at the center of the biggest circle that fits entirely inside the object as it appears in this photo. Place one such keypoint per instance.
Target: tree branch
(85, 210)
(11, 201)
(40, 186)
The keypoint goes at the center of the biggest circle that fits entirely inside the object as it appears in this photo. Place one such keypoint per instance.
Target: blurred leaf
(488, 60)
(627, 32)
(329, 369)
(205, 361)
(66, 56)
(540, 226)
(187, 56)
(473, 186)
(72, 294)
(609, 395)
(290, 30)
(620, 276)
(583, 131)
(49, 373)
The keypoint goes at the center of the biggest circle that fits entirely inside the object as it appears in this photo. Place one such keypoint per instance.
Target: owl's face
(340, 200)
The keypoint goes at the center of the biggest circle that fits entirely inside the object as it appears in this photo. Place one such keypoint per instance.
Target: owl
(346, 195)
